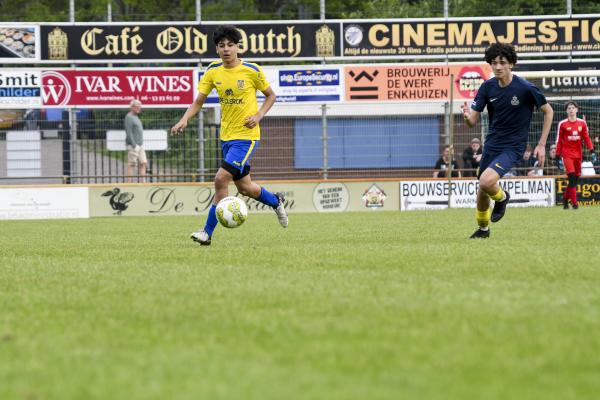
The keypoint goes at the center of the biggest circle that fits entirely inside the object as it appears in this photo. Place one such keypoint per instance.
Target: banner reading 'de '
(114, 87)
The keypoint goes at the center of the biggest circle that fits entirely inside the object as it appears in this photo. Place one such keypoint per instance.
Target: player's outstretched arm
(471, 116)
(540, 149)
(192, 110)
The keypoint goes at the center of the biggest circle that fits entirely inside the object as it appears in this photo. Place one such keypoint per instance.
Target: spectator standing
(134, 130)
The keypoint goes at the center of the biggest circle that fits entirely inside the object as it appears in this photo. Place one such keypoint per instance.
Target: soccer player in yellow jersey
(236, 83)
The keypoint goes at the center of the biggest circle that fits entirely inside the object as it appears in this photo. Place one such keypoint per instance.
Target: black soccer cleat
(500, 209)
(480, 234)
(575, 206)
(566, 205)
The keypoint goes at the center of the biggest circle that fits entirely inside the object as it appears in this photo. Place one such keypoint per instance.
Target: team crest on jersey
(580, 128)
(229, 92)
(515, 101)
(240, 84)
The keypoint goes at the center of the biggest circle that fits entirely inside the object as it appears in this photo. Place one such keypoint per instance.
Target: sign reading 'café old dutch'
(112, 42)
(548, 36)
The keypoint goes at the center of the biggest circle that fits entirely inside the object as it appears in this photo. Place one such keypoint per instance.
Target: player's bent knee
(487, 185)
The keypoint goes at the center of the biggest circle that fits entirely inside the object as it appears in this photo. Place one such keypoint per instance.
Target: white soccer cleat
(280, 211)
(201, 237)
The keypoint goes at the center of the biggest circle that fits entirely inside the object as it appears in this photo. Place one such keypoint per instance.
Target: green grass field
(374, 305)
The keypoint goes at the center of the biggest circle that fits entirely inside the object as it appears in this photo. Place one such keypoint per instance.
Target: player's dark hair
(569, 103)
(228, 32)
(501, 50)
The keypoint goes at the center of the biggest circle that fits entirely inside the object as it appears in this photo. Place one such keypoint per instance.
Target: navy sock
(211, 221)
(268, 198)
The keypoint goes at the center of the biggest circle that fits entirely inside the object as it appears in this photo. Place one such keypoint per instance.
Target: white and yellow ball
(232, 212)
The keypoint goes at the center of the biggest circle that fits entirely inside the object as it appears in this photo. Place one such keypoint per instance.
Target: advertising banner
(44, 203)
(417, 38)
(413, 82)
(114, 87)
(186, 42)
(566, 85)
(465, 38)
(19, 43)
(321, 84)
(20, 89)
(588, 190)
(186, 199)
(433, 194)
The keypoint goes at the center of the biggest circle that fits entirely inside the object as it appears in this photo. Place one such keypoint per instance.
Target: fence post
(325, 139)
(450, 139)
(201, 167)
(68, 162)
(66, 148)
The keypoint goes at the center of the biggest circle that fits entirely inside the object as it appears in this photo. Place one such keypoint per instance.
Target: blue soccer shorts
(499, 161)
(237, 155)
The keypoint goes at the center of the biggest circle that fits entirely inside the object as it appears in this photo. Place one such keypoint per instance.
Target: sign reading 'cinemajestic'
(417, 38)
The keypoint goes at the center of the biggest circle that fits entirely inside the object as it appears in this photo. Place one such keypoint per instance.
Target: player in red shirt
(571, 131)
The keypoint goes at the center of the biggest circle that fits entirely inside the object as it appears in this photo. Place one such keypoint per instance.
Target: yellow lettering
(169, 41)
(395, 35)
(510, 33)
(410, 35)
(244, 42)
(88, 42)
(270, 39)
(527, 32)
(548, 32)
(460, 34)
(568, 26)
(112, 44)
(596, 31)
(136, 41)
(195, 41)
(435, 35)
(375, 38)
(485, 34)
(585, 34)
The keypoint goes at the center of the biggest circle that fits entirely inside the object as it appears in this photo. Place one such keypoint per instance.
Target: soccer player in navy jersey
(510, 101)
(236, 82)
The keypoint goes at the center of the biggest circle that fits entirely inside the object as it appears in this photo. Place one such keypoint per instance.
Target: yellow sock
(498, 196)
(483, 218)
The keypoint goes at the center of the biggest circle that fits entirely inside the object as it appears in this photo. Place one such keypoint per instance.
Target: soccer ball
(232, 212)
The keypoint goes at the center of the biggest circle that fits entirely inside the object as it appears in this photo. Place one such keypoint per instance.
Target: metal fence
(72, 147)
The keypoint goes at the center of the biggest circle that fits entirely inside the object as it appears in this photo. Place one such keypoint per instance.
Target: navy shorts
(499, 161)
(237, 155)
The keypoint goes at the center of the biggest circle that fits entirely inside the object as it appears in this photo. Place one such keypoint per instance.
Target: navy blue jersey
(510, 109)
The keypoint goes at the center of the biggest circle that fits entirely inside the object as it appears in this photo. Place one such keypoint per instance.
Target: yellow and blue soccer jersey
(237, 88)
